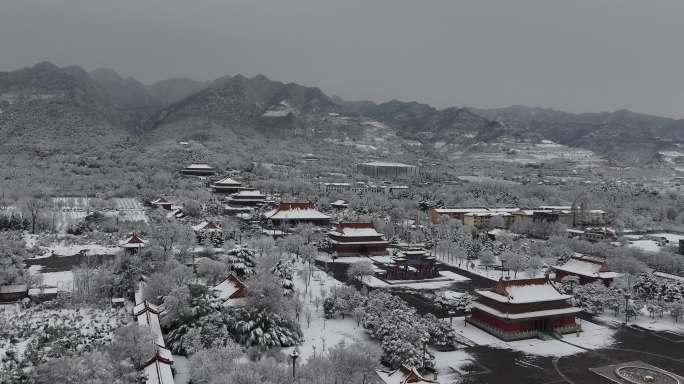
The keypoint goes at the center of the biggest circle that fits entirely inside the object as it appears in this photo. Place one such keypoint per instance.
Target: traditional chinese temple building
(520, 309)
(357, 239)
(296, 213)
(587, 268)
(227, 185)
(199, 170)
(412, 264)
(133, 244)
(246, 198)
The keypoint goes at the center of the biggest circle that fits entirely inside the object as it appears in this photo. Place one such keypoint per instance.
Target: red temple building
(520, 309)
(133, 244)
(296, 213)
(587, 268)
(230, 289)
(357, 239)
(412, 264)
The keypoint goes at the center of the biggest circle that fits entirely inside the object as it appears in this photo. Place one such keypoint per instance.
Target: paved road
(511, 367)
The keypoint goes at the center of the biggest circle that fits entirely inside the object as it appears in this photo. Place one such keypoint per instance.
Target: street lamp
(627, 296)
(294, 355)
(503, 260)
(451, 316)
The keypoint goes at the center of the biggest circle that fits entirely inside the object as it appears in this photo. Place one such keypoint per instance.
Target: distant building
(162, 202)
(200, 169)
(593, 234)
(387, 169)
(587, 268)
(296, 213)
(413, 263)
(681, 247)
(337, 187)
(403, 375)
(477, 217)
(133, 244)
(357, 239)
(226, 185)
(521, 309)
(549, 216)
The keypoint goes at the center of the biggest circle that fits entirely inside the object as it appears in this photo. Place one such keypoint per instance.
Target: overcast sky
(575, 55)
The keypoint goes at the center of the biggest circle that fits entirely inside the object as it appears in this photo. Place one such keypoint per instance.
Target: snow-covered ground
(646, 242)
(593, 336)
(322, 333)
(62, 280)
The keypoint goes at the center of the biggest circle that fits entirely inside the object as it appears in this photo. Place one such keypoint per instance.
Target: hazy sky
(575, 55)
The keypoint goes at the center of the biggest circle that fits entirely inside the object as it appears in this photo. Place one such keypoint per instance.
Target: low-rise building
(13, 292)
(162, 202)
(230, 289)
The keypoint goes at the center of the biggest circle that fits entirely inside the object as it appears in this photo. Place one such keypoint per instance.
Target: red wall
(521, 325)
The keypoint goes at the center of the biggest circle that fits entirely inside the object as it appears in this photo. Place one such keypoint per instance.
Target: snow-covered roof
(150, 320)
(250, 193)
(160, 200)
(523, 291)
(355, 230)
(555, 207)
(526, 315)
(158, 372)
(228, 287)
(277, 113)
(206, 226)
(403, 375)
(199, 166)
(339, 203)
(296, 214)
(145, 306)
(133, 242)
(228, 181)
(588, 266)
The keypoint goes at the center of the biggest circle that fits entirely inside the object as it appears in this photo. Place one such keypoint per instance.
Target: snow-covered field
(647, 242)
(322, 333)
(70, 210)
